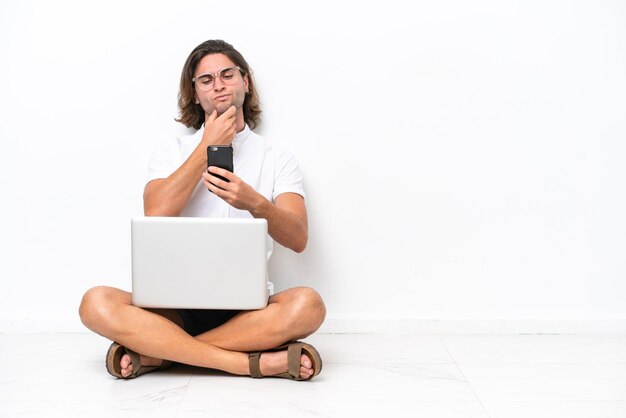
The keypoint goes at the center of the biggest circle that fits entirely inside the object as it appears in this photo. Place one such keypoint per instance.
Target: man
(218, 98)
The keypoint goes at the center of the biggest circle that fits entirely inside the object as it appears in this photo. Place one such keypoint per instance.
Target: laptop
(199, 263)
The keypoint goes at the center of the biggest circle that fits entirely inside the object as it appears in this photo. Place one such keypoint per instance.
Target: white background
(463, 160)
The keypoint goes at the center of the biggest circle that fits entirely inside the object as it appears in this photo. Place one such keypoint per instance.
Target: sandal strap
(255, 366)
(294, 352)
(138, 369)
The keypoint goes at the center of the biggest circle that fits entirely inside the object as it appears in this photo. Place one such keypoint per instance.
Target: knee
(308, 309)
(96, 307)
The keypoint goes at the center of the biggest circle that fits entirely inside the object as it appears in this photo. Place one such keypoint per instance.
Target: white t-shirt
(269, 168)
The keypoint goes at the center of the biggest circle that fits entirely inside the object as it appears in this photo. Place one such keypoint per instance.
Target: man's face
(220, 95)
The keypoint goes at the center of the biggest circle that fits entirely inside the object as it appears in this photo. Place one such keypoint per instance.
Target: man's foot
(295, 360)
(127, 365)
(273, 363)
(124, 363)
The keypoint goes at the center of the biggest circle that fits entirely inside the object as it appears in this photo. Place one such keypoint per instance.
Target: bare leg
(300, 312)
(291, 314)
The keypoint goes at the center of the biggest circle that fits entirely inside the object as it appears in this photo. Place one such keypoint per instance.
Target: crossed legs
(157, 334)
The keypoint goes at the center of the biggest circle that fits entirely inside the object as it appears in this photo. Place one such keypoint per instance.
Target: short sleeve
(288, 178)
(164, 161)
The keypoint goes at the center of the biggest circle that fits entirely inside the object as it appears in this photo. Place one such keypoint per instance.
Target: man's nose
(218, 84)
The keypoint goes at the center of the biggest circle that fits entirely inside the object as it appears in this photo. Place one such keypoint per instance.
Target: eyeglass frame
(218, 75)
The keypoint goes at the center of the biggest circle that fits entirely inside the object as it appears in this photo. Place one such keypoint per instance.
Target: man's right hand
(219, 130)
(168, 196)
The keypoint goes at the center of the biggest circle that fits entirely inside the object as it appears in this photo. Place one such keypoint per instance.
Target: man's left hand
(235, 192)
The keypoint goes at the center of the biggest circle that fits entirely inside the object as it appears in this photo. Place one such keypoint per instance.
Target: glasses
(205, 81)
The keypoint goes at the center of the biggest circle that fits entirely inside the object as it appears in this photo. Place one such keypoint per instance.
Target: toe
(125, 361)
(127, 371)
(305, 373)
(126, 365)
(306, 361)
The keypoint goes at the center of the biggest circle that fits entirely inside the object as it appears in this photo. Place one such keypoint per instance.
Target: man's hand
(219, 130)
(286, 218)
(235, 192)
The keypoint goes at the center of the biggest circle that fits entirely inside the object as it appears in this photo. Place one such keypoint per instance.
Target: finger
(220, 171)
(216, 181)
(212, 178)
(210, 118)
(219, 192)
(228, 114)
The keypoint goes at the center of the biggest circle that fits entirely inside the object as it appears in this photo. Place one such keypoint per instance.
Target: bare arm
(168, 196)
(286, 218)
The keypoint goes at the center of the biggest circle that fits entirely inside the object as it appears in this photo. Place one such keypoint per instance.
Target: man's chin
(222, 108)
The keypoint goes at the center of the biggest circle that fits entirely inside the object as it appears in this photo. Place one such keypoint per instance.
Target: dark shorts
(198, 321)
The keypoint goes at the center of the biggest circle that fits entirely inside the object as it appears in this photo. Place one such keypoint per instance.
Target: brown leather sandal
(295, 349)
(114, 356)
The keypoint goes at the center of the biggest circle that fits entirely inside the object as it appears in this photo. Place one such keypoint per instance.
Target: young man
(218, 98)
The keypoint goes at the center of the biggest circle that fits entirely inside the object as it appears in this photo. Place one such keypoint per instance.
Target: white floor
(63, 375)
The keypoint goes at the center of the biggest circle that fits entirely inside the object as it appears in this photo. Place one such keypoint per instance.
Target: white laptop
(199, 263)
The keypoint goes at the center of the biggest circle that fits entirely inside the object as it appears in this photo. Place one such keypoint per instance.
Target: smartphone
(220, 156)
